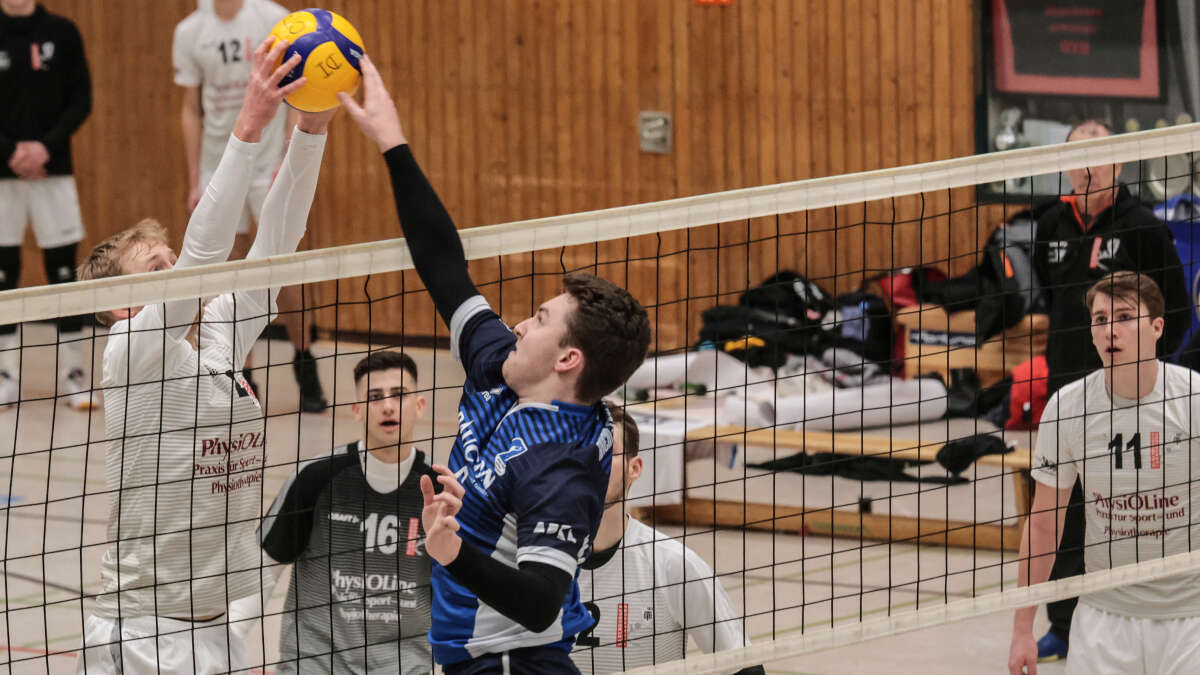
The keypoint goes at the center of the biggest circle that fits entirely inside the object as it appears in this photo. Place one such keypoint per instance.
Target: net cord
(390, 255)
(832, 637)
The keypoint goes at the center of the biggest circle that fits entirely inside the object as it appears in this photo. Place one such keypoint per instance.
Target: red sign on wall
(1081, 47)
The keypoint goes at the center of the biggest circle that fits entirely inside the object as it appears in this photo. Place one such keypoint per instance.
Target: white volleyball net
(836, 421)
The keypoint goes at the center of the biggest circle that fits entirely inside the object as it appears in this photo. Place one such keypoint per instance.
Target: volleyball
(330, 49)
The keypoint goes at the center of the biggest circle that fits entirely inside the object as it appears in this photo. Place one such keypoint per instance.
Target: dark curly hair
(612, 330)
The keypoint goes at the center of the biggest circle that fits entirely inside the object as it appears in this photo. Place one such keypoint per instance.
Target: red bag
(899, 288)
(1027, 397)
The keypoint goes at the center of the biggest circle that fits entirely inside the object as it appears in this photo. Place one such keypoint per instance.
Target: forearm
(211, 229)
(191, 121)
(286, 209)
(432, 239)
(1038, 545)
(289, 127)
(531, 595)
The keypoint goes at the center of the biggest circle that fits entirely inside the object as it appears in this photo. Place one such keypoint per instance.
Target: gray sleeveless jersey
(359, 598)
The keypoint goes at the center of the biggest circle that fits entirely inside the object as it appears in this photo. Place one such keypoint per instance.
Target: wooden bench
(844, 522)
(936, 342)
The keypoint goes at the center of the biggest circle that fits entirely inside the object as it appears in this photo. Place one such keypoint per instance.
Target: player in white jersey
(186, 434)
(211, 50)
(647, 592)
(1125, 431)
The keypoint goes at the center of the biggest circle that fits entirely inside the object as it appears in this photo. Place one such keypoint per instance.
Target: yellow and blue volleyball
(330, 50)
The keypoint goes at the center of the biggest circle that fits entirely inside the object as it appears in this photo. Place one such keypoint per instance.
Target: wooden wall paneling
(524, 108)
(908, 235)
(664, 270)
(876, 242)
(855, 256)
(941, 83)
(791, 252)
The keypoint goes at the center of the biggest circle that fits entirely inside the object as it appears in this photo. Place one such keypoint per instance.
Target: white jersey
(644, 610)
(186, 434)
(217, 56)
(1139, 463)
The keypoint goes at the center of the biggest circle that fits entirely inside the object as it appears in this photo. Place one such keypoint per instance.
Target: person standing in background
(212, 48)
(47, 96)
(1097, 229)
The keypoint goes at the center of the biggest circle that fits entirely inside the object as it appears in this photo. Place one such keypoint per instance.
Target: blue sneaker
(1051, 648)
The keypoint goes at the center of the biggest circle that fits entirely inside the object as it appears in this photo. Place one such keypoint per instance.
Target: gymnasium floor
(51, 552)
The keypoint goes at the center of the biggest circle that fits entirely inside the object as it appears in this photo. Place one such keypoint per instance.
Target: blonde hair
(106, 258)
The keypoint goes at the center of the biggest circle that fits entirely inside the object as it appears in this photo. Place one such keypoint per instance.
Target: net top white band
(927, 617)
(45, 302)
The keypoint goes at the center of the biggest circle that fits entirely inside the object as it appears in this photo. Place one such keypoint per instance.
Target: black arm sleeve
(79, 103)
(752, 670)
(285, 530)
(432, 239)
(532, 595)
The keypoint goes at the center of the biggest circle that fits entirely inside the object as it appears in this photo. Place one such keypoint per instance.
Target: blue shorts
(528, 661)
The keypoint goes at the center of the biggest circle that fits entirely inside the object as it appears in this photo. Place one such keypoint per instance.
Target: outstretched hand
(377, 115)
(439, 515)
(263, 93)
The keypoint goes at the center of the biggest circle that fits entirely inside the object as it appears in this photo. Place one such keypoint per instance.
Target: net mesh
(799, 457)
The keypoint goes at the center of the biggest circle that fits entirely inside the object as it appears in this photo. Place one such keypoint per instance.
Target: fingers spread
(427, 490)
(451, 484)
(284, 68)
(350, 104)
(449, 502)
(292, 86)
(263, 48)
(273, 56)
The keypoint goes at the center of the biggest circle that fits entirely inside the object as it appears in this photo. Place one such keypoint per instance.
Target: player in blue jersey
(526, 479)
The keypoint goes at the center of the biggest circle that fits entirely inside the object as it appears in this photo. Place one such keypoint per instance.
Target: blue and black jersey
(535, 476)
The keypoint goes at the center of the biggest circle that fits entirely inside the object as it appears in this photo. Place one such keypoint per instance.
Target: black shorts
(528, 661)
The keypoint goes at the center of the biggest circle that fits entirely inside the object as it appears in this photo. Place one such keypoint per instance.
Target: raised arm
(432, 239)
(239, 318)
(213, 224)
(211, 229)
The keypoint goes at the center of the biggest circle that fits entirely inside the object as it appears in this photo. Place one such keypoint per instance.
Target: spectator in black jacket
(1098, 228)
(47, 94)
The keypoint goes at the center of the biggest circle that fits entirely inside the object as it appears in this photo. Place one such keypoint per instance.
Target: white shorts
(154, 645)
(52, 204)
(1104, 643)
(255, 196)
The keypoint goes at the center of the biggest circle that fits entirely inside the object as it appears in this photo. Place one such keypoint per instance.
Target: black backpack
(779, 317)
(1004, 286)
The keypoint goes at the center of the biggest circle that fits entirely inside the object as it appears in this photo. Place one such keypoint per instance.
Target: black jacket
(47, 104)
(1069, 257)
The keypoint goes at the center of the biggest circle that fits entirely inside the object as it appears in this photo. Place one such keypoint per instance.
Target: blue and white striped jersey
(535, 476)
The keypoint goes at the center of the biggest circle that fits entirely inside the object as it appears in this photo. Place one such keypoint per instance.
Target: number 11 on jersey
(1135, 444)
